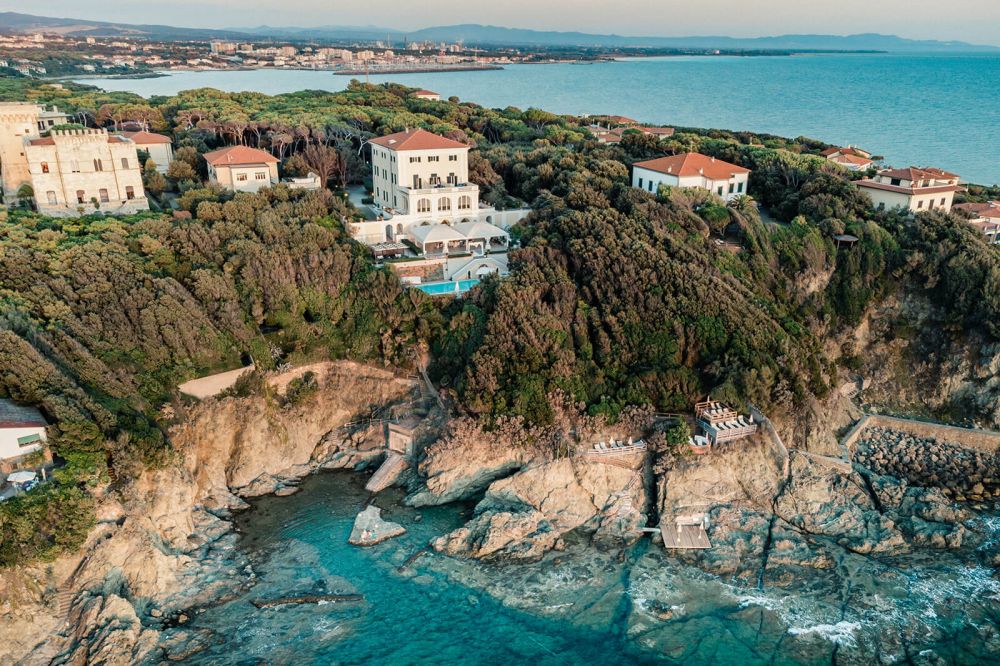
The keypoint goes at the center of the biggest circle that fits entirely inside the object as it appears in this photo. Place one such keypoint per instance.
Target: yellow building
(70, 172)
(242, 169)
(915, 189)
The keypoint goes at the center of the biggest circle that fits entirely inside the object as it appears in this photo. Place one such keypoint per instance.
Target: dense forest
(616, 296)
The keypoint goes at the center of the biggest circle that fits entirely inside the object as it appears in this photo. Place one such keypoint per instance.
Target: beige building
(417, 173)
(22, 433)
(427, 94)
(915, 189)
(160, 150)
(76, 172)
(985, 217)
(69, 171)
(691, 170)
(242, 168)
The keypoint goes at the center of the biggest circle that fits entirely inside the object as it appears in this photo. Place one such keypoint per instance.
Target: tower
(18, 121)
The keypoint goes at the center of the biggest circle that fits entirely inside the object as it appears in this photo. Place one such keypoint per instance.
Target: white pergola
(483, 235)
(438, 239)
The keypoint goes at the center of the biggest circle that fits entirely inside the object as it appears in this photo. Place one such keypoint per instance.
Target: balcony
(444, 188)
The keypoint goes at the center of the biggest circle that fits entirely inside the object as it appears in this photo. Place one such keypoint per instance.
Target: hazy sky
(976, 21)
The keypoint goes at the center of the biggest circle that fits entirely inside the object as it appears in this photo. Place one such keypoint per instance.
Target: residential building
(692, 170)
(22, 434)
(47, 119)
(18, 122)
(83, 171)
(423, 174)
(915, 189)
(851, 158)
(242, 168)
(616, 134)
(985, 217)
(427, 94)
(159, 147)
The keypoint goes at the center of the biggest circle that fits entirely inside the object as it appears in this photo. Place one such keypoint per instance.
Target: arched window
(444, 203)
(98, 165)
(464, 202)
(423, 205)
(81, 196)
(45, 167)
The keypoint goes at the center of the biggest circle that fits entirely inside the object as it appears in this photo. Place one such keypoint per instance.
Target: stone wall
(984, 440)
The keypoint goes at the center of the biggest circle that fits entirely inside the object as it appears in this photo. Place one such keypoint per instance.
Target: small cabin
(400, 437)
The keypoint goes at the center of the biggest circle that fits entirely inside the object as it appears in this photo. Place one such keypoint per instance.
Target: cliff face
(166, 546)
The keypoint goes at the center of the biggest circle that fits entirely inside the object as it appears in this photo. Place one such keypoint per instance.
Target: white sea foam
(843, 633)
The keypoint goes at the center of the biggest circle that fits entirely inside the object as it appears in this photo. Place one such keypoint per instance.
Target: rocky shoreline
(963, 473)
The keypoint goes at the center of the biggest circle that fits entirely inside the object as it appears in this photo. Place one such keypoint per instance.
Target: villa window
(260, 175)
(124, 162)
(894, 181)
(732, 187)
(444, 203)
(417, 183)
(651, 186)
(930, 205)
(423, 205)
(452, 179)
(739, 188)
(414, 160)
(435, 180)
(74, 166)
(45, 167)
(433, 158)
(52, 197)
(453, 158)
(920, 204)
(640, 184)
(942, 201)
(464, 202)
(104, 195)
(241, 177)
(720, 190)
(129, 192)
(81, 196)
(98, 165)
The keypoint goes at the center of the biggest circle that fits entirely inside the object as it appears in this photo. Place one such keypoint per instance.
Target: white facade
(18, 442)
(913, 189)
(692, 170)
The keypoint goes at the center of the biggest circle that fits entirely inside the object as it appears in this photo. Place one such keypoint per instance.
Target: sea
(911, 109)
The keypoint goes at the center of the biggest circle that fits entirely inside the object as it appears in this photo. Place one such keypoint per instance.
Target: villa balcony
(443, 188)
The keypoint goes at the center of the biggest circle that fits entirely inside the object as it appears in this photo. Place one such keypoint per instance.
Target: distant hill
(487, 35)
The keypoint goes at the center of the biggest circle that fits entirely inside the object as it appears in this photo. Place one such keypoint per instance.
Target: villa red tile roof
(849, 150)
(916, 173)
(236, 155)
(851, 159)
(425, 92)
(146, 138)
(934, 189)
(416, 139)
(693, 164)
(13, 415)
(990, 209)
(50, 141)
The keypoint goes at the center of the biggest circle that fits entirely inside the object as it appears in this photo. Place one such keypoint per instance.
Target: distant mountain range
(486, 35)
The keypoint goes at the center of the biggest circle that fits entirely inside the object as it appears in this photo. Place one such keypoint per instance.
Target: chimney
(701, 172)
(713, 160)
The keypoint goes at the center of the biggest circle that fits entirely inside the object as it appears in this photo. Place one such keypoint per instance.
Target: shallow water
(920, 109)
(584, 605)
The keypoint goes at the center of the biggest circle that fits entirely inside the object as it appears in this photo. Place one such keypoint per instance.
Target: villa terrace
(721, 423)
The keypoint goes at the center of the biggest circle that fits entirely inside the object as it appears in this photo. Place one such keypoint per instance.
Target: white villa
(427, 94)
(22, 433)
(850, 157)
(159, 147)
(915, 189)
(985, 217)
(424, 204)
(691, 170)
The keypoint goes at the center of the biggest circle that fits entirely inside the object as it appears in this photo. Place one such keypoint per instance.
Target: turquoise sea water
(941, 110)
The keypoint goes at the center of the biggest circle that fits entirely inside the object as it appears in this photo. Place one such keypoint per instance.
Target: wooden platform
(685, 536)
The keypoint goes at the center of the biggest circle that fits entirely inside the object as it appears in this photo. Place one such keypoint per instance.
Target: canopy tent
(432, 235)
(21, 477)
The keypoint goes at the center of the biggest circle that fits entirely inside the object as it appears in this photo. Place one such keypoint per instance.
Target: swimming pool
(445, 288)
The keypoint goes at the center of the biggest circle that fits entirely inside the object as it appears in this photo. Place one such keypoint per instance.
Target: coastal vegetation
(617, 297)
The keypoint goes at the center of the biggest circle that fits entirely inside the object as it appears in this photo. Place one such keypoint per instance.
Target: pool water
(445, 288)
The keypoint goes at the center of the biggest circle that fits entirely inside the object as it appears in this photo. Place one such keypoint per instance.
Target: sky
(976, 21)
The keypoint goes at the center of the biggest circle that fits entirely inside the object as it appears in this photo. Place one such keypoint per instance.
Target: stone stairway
(386, 475)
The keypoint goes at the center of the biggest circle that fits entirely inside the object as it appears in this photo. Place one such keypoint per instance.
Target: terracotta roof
(425, 92)
(146, 138)
(851, 159)
(990, 209)
(916, 173)
(849, 150)
(935, 189)
(657, 131)
(50, 141)
(693, 164)
(416, 139)
(13, 415)
(239, 155)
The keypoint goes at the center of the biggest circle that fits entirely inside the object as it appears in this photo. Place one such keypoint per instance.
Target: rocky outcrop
(370, 529)
(526, 515)
(963, 472)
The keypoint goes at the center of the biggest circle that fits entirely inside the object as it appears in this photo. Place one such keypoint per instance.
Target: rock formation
(370, 529)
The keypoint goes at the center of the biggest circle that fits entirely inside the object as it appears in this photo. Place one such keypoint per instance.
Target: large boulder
(370, 529)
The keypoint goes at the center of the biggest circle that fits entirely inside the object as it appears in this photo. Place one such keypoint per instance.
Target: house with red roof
(22, 433)
(985, 217)
(158, 146)
(242, 168)
(916, 189)
(427, 94)
(851, 157)
(692, 170)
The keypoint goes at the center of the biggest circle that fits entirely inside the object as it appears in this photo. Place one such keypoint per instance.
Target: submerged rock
(370, 529)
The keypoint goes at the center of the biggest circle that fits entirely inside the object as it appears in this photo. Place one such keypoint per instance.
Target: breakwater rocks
(963, 473)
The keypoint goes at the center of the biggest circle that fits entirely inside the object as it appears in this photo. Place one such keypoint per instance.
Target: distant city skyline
(974, 21)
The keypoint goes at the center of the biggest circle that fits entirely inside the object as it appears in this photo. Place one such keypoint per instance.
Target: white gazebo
(438, 239)
(481, 236)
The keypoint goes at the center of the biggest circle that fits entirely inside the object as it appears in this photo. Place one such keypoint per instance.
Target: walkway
(387, 474)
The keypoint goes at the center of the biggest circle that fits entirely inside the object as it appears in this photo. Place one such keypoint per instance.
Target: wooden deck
(685, 537)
